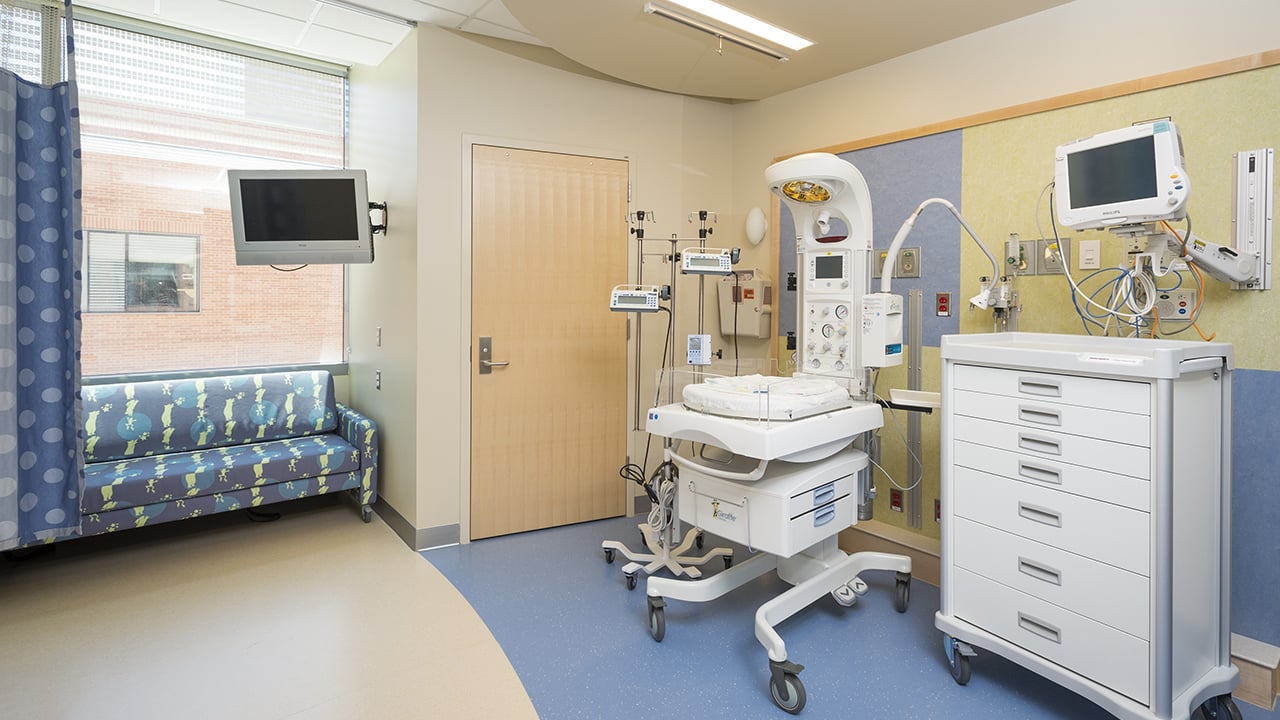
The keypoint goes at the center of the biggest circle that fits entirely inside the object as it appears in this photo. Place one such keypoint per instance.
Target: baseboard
(417, 538)
(875, 536)
(1259, 665)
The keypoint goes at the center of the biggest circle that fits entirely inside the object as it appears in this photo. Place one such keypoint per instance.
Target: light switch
(1090, 254)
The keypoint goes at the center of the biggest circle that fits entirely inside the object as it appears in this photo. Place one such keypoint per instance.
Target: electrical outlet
(895, 499)
(942, 304)
(377, 379)
(937, 510)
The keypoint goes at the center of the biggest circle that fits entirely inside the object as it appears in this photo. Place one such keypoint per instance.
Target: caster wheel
(959, 666)
(902, 595)
(728, 561)
(366, 514)
(1222, 707)
(789, 694)
(608, 556)
(657, 622)
(699, 541)
(631, 581)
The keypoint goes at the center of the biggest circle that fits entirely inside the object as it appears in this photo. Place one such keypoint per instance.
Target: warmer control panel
(829, 271)
(828, 337)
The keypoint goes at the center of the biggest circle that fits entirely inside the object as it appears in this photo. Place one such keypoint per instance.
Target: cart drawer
(1122, 395)
(1109, 595)
(1122, 427)
(1107, 533)
(1045, 444)
(1103, 654)
(1123, 490)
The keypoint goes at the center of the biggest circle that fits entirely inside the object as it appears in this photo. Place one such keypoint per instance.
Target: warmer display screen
(828, 267)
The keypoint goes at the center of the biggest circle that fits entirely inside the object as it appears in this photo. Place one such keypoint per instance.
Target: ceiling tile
(358, 23)
(330, 43)
(296, 9)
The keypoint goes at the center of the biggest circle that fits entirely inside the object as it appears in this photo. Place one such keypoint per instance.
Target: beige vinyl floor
(316, 615)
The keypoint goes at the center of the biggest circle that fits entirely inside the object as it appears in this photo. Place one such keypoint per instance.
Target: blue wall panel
(1255, 505)
(900, 176)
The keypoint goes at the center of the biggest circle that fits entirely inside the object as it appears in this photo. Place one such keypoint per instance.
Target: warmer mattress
(761, 397)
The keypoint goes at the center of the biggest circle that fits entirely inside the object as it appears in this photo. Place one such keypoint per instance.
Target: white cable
(891, 256)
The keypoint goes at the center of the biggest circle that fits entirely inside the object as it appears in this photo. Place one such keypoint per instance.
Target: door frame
(469, 141)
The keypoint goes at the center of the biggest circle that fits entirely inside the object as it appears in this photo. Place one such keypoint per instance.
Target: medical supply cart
(1086, 519)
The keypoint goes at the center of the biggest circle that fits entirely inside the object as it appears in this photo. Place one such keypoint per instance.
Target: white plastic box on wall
(746, 305)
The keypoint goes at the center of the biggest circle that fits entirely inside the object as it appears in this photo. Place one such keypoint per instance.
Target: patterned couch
(157, 451)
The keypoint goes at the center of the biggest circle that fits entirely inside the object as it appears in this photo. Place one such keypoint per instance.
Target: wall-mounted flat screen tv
(300, 217)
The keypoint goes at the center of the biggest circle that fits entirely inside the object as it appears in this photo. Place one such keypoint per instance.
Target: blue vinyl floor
(579, 641)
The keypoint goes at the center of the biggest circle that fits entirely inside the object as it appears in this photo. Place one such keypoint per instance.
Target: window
(132, 272)
(161, 123)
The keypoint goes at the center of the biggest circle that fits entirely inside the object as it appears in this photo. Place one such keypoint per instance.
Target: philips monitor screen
(1129, 176)
(299, 217)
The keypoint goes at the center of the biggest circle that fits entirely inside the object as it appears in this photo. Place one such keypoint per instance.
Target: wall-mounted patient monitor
(1128, 176)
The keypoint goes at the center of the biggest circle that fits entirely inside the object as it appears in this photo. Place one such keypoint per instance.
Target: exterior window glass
(162, 122)
(141, 273)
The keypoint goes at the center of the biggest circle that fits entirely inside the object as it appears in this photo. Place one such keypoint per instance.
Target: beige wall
(679, 151)
(686, 154)
(383, 138)
(1078, 46)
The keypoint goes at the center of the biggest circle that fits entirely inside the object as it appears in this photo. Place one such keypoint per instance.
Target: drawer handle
(1041, 445)
(822, 516)
(824, 494)
(1040, 628)
(1040, 416)
(1043, 388)
(1039, 474)
(1041, 515)
(1039, 571)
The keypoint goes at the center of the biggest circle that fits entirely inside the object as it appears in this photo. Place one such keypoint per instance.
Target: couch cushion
(138, 481)
(126, 420)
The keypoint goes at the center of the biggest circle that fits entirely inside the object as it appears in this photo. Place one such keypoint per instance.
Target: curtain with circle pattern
(41, 471)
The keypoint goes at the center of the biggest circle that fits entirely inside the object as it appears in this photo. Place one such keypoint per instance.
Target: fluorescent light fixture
(744, 22)
(710, 29)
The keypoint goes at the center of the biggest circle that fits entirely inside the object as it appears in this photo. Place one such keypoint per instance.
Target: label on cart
(722, 513)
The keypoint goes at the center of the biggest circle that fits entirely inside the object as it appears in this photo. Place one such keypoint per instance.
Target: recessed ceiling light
(745, 23)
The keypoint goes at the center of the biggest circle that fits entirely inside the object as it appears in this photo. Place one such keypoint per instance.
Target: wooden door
(548, 429)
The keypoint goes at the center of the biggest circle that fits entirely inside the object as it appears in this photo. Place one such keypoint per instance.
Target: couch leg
(366, 513)
(262, 517)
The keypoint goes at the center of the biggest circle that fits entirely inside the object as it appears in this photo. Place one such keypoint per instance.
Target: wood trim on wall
(1083, 97)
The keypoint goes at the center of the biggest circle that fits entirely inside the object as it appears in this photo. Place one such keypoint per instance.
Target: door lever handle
(492, 364)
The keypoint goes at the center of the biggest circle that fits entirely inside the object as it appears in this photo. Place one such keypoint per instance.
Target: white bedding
(761, 397)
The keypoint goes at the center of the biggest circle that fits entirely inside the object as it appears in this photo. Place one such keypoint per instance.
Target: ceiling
(615, 38)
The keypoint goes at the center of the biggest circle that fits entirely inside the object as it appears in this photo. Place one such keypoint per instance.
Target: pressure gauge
(828, 330)
(842, 311)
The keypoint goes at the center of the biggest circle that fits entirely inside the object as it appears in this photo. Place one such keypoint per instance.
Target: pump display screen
(704, 261)
(631, 299)
(828, 267)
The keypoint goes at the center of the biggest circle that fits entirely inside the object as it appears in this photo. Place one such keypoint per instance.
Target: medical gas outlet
(828, 335)
(881, 330)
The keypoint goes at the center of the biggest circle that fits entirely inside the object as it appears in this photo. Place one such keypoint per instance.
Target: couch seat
(139, 481)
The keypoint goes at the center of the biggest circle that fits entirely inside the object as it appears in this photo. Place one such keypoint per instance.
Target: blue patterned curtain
(41, 471)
